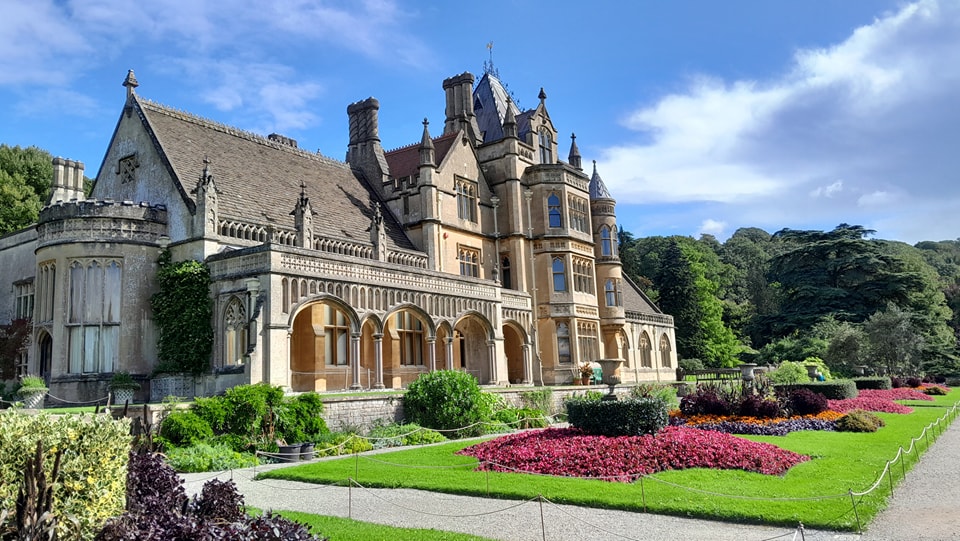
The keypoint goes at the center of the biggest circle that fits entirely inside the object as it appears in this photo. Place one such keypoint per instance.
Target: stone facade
(477, 250)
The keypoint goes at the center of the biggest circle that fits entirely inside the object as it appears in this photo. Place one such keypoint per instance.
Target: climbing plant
(182, 311)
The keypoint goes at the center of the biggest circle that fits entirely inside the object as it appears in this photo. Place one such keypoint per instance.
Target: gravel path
(924, 507)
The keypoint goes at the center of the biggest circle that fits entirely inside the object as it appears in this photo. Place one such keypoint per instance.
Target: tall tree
(895, 344)
(25, 175)
(678, 297)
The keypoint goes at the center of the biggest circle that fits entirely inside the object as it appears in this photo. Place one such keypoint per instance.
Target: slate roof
(598, 190)
(405, 161)
(635, 300)
(490, 102)
(258, 180)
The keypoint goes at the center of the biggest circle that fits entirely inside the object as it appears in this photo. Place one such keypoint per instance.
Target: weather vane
(488, 68)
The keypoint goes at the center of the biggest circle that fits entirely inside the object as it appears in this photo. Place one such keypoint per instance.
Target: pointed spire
(598, 190)
(509, 120)
(542, 96)
(574, 157)
(130, 83)
(303, 219)
(427, 152)
(303, 194)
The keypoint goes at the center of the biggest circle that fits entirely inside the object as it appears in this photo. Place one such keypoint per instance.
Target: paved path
(924, 507)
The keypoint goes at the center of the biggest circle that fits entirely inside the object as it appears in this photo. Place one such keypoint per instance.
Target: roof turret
(598, 190)
(574, 157)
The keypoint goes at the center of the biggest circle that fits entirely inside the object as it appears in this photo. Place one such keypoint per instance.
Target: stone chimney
(459, 111)
(67, 181)
(364, 151)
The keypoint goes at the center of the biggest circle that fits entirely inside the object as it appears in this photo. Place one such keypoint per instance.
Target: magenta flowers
(570, 453)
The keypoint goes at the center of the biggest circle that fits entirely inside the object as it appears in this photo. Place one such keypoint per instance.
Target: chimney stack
(459, 111)
(364, 151)
(67, 181)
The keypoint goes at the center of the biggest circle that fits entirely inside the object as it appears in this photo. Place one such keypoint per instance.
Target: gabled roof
(490, 102)
(405, 161)
(635, 300)
(258, 180)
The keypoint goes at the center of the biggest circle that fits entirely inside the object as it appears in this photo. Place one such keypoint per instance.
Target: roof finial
(130, 83)
(542, 95)
(574, 157)
(488, 68)
(303, 193)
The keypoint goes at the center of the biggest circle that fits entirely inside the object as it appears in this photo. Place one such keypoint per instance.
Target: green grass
(345, 529)
(841, 462)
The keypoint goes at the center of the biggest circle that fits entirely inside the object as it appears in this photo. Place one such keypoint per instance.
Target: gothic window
(589, 345)
(24, 300)
(234, 333)
(93, 322)
(563, 343)
(469, 261)
(505, 277)
(578, 213)
(467, 200)
(410, 335)
(559, 275)
(546, 146)
(665, 350)
(553, 211)
(582, 275)
(46, 279)
(336, 337)
(613, 293)
(607, 242)
(127, 168)
(646, 358)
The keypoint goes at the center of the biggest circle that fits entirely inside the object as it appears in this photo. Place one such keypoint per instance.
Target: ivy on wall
(182, 311)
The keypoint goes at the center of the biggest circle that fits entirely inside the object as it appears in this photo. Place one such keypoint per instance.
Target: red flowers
(879, 400)
(568, 452)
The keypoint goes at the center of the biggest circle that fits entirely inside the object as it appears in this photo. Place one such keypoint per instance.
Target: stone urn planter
(610, 377)
(746, 371)
(122, 386)
(33, 390)
(811, 370)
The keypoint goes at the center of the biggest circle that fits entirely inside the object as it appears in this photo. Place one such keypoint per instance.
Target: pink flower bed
(901, 393)
(869, 403)
(568, 452)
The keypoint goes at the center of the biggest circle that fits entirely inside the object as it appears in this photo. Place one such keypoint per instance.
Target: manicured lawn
(841, 462)
(344, 529)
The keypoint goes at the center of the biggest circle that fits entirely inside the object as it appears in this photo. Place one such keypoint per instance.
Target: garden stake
(890, 477)
(855, 512)
(643, 494)
(543, 526)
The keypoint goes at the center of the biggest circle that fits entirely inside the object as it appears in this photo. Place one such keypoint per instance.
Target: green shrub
(934, 390)
(872, 382)
(663, 391)
(630, 417)
(447, 400)
(239, 444)
(838, 389)
(205, 457)
(340, 443)
(250, 409)
(691, 365)
(184, 428)
(859, 421)
(214, 410)
(298, 418)
(541, 399)
(788, 372)
(521, 418)
(396, 435)
(93, 469)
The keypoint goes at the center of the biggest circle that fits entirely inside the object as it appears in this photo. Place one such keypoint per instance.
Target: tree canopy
(25, 176)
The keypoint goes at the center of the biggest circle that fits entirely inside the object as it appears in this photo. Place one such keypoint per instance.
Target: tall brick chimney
(364, 151)
(459, 111)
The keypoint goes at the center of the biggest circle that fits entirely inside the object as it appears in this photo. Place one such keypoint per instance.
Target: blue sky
(703, 116)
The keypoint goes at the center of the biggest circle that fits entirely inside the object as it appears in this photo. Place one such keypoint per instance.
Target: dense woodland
(839, 295)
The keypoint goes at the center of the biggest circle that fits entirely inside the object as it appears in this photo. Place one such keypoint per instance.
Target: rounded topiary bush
(185, 428)
(806, 402)
(914, 382)
(447, 400)
(859, 421)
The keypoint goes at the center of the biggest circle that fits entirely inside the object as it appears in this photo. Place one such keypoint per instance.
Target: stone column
(527, 365)
(378, 361)
(449, 341)
(492, 354)
(355, 360)
(432, 354)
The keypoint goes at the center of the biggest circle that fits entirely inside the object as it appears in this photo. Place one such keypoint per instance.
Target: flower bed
(757, 426)
(900, 393)
(569, 452)
(869, 404)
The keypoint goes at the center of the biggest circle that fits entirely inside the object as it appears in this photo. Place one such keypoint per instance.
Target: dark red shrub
(756, 406)
(705, 402)
(914, 382)
(806, 402)
(896, 382)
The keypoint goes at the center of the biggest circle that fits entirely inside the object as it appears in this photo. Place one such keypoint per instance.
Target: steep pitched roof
(598, 190)
(490, 103)
(636, 301)
(258, 180)
(405, 161)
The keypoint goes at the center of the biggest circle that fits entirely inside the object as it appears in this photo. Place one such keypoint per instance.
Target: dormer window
(546, 146)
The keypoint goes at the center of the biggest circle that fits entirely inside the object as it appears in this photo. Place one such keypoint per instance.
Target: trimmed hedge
(873, 382)
(630, 417)
(838, 389)
(93, 469)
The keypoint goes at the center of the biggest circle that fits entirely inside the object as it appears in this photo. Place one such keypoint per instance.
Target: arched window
(505, 277)
(646, 357)
(665, 350)
(563, 343)
(612, 292)
(234, 333)
(546, 146)
(559, 275)
(607, 242)
(553, 211)
(467, 200)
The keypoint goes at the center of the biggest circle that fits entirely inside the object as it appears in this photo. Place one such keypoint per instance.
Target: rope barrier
(85, 402)
(443, 515)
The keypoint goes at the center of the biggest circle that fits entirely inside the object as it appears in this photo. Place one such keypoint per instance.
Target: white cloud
(827, 191)
(877, 109)
(713, 227)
